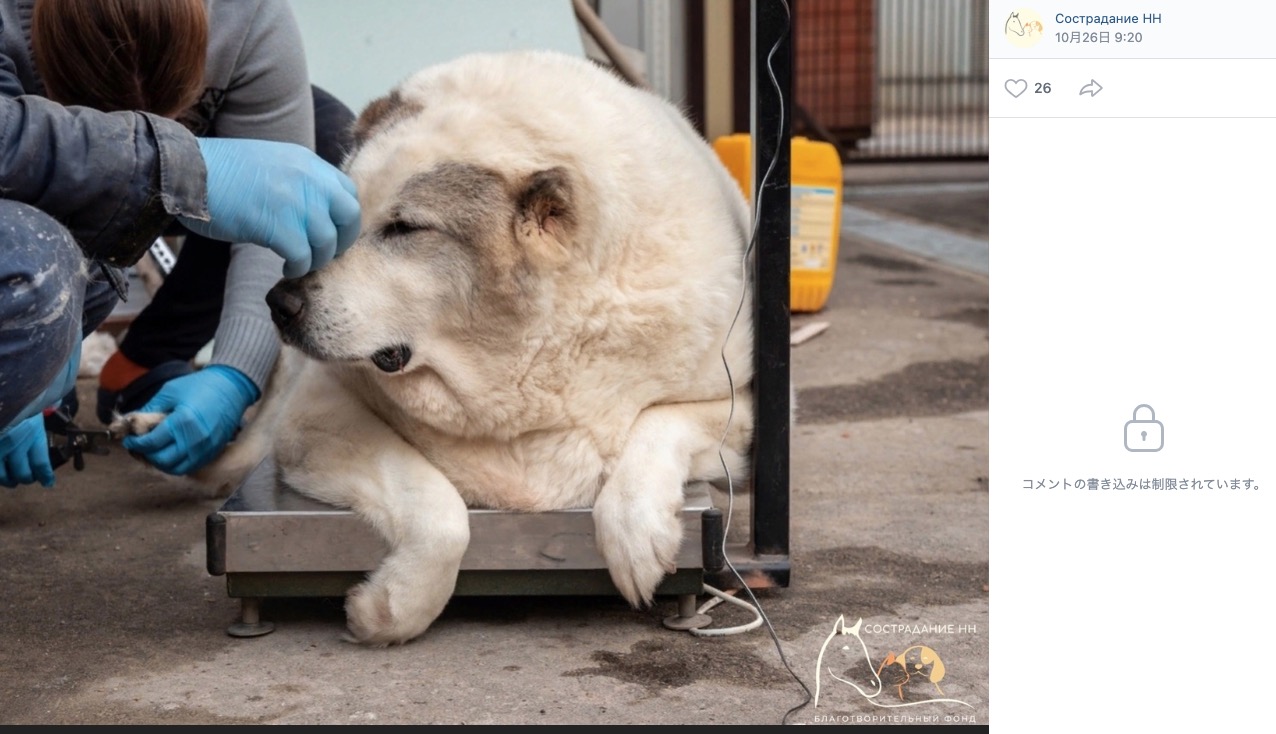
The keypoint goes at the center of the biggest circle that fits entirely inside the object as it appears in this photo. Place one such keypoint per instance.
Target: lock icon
(1144, 435)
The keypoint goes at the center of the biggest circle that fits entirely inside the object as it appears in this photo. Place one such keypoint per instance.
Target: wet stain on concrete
(679, 661)
(918, 390)
(906, 281)
(890, 264)
(867, 582)
(973, 316)
(853, 581)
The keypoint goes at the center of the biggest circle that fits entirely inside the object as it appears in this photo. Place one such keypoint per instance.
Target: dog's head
(456, 250)
(467, 213)
(533, 230)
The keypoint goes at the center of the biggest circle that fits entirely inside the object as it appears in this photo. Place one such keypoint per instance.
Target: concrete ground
(111, 618)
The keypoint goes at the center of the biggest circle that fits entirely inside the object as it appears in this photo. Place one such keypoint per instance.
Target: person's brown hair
(141, 55)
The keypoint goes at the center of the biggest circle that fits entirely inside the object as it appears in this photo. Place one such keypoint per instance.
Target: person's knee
(43, 270)
(42, 273)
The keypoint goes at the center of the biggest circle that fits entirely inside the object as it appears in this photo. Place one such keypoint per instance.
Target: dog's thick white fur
(535, 317)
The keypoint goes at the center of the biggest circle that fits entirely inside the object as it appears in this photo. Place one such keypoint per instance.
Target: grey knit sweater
(256, 86)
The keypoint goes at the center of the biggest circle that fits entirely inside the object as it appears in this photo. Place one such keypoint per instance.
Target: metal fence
(893, 79)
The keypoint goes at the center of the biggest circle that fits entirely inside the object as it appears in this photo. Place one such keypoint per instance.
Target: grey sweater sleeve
(268, 98)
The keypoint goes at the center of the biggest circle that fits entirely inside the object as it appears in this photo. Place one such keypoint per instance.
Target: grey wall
(358, 51)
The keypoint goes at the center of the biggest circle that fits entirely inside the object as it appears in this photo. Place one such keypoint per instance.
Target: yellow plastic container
(816, 185)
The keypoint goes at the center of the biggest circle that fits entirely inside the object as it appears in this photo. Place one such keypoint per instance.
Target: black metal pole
(772, 56)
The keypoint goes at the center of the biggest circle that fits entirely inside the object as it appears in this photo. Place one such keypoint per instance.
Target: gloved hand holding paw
(204, 411)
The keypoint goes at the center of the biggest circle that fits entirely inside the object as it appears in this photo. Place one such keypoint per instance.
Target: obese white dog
(535, 317)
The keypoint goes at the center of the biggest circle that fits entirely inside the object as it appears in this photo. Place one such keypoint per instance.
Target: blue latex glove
(24, 445)
(281, 196)
(24, 454)
(204, 411)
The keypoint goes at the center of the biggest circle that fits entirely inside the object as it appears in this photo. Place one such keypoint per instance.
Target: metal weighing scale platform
(270, 541)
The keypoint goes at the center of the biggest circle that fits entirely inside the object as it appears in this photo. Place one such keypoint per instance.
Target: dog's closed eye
(399, 227)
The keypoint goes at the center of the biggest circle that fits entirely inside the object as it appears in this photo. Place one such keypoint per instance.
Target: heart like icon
(1016, 87)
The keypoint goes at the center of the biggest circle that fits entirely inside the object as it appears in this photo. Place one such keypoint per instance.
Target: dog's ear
(546, 218)
(379, 112)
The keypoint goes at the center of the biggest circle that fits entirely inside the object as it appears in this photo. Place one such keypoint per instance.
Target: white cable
(744, 265)
(719, 597)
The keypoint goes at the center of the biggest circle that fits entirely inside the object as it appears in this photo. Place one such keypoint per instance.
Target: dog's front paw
(135, 424)
(369, 618)
(381, 612)
(640, 541)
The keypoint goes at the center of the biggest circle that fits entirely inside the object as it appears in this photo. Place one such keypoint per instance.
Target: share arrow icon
(1091, 89)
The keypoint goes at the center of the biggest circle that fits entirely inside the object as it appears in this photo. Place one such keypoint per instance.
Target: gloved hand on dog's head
(204, 411)
(281, 196)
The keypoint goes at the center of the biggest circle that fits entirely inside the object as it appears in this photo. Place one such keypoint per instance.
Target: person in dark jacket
(83, 193)
(224, 69)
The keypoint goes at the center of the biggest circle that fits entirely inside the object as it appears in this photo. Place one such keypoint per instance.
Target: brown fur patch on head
(380, 113)
(457, 216)
(465, 200)
(546, 214)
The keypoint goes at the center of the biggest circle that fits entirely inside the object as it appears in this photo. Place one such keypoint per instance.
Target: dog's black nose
(286, 305)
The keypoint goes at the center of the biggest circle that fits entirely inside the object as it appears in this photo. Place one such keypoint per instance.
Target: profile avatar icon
(1024, 28)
